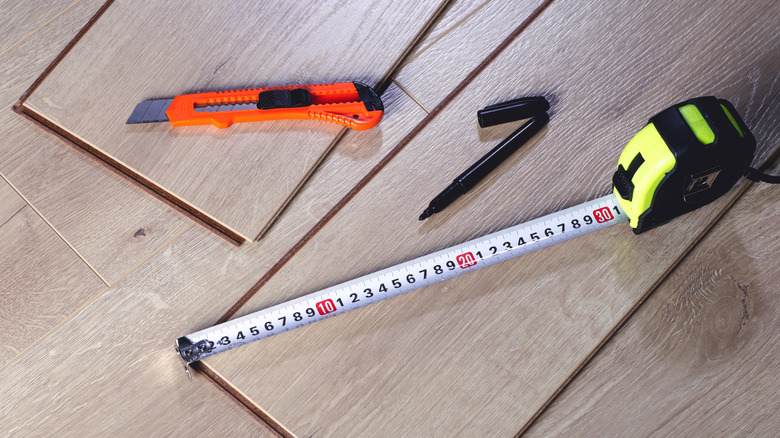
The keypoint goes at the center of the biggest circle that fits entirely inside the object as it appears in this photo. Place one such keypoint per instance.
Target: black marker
(468, 179)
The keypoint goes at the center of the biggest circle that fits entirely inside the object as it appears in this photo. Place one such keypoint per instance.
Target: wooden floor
(674, 332)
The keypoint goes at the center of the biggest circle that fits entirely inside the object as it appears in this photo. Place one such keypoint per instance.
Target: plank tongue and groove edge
(237, 179)
(482, 354)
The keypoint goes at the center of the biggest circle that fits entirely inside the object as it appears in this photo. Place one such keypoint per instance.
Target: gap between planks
(19, 107)
(446, 32)
(55, 230)
(302, 183)
(242, 399)
(135, 177)
(62, 54)
(417, 101)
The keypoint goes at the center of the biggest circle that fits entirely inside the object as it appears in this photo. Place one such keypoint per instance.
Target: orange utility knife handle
(351, 104)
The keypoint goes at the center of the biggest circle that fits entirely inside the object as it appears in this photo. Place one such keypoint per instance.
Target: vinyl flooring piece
(700, 357)
(237, 179)
(484, 353)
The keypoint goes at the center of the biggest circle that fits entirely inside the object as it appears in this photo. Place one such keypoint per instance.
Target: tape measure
(686, 157)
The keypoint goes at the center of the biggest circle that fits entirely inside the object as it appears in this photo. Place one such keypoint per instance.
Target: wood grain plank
(42, 280)
(112, 224)
(242, 176)
(700, 357)
(197, 278)
(111, 368)
(10, 202)
(457, 43)
(23, 19)
(482, 354)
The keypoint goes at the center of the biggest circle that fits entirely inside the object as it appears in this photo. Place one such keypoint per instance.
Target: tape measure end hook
(186, 364)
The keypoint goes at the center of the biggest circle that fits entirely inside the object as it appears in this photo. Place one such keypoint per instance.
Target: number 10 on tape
(402, 278)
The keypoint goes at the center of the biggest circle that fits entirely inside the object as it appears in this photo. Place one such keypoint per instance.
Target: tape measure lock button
(686, 157)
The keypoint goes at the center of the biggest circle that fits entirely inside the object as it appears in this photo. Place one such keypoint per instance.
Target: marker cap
(512, 110)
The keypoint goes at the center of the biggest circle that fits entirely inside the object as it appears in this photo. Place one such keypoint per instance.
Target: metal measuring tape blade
(686, 157)
(402, 278)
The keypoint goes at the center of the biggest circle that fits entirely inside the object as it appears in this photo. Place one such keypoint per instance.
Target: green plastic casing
(684, 158)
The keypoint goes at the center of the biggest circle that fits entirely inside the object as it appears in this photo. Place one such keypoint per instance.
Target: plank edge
(137, 179)
(242, 399)
(53, 64)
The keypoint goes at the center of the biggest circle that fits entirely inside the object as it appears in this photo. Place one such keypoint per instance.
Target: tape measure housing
(686, 157)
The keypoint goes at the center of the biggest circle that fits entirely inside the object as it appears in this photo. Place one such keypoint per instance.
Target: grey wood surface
(479, 355)
(700, 357)
(461, 355)
(239, 177)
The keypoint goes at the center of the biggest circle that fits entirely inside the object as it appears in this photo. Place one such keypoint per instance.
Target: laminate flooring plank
(111, 370)
(238, 177)
(22, 19)
(189, 284)
(111, 223)
(458, 42)
(42, 280)
(701, 356)
(482, 354)
(10, 202)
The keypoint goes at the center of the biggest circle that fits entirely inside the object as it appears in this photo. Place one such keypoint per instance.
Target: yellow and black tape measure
(684, 158)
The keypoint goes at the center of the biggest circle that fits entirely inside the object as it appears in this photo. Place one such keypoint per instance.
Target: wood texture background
(239, 177)
(440, 366)
(381, 356)
(37, 270)
(701, 357)
(44, 283)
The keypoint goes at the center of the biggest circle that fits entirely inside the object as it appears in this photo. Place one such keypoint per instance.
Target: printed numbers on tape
(405, 277)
